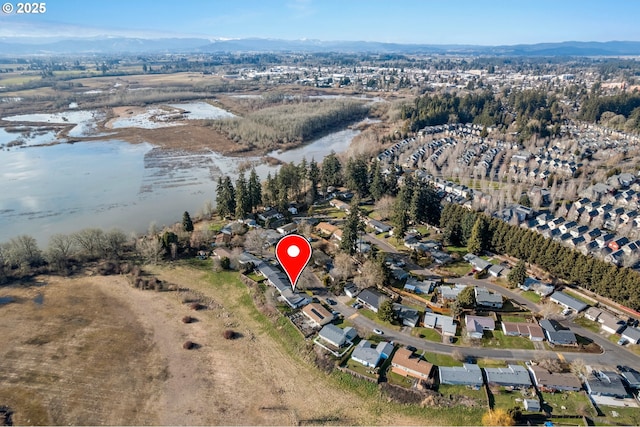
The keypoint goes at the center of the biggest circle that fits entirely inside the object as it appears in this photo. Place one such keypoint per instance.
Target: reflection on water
(67, 187)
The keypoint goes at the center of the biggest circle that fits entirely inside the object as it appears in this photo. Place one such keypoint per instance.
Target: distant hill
(119, 45)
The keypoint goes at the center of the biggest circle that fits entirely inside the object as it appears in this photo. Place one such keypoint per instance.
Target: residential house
(450, 293)
(515, 376)
(333, 335)
(379, 226)
(496, 270)
(368, 355)
(484, 298)
(606, 383)
(530, 330)
(476, 325)
(604, 239)
(419, 287)
(568, 301)
(371, 299)
(326, 229)
(468, 374)
(270, 214)
(476, 262)
(408, 364)
(632, 335)
(340, 205)
(631, 377)
(610, 323)
(557, 334)
(592, 235)
(592, 313)
(540, 288)
(317, 314)
(551, 382)
(287, 228)
(351, 290)
(438, 321)
(407, 315)
(579, 230)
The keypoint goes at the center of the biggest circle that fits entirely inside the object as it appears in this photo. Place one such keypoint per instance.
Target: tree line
(620, 284)
(533, 111)
(621, 111)
(290, 123)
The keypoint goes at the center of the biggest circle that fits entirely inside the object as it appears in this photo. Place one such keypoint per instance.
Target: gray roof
(467, 374)
(513, 375)
(371, 297)
(484, 297)
(632, 334)
(477, 262)
(557, 334)
(451, 292)
(365, 354)
(384, 348)
(333, 335)
(446, 323)
(633, 378)
(568, 301)
(605, 383)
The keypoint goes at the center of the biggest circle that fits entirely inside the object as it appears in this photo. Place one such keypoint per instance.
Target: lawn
(399, 380)
(374, 316)
(515, 319)
(532, 296)
(462, 250)
(256, 277)
(458, 268)
(428, 334)
(461, 390)
(440, 359)
(361, 369)
(498, 339)
(588, 324)
(625, 416)
(575, 403)
(505, 399)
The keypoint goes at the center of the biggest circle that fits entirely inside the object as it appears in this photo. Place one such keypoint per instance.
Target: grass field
(446, 390)
(374, 316)
(515, 319)
(458, 268)
(427, 334)
(587, 324)
(498, 339)
(532, 296)
(574, 403)
(440, 359)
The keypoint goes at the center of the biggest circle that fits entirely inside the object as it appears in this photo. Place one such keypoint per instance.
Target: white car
(378, 332)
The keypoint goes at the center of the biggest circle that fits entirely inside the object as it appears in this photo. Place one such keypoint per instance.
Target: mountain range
(124, 45)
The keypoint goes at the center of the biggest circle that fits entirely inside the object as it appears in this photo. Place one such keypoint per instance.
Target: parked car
(566, 312)
(331, 302)
(378, 332)
(622, 341)
(411, 348)
(356, 305)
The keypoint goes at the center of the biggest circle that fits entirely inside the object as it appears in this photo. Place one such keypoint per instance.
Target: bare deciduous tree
(343, 266)
(256, 241)
(384, 207)
(150, 248)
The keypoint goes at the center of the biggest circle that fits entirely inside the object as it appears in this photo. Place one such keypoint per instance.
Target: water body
(66, 187)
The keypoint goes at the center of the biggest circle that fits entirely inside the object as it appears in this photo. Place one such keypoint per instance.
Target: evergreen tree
(225, 197)
(518, 274)
(351, 230)
(187, 224)
(476, 243)
(378, 183)
(357, 176)
(331, 172)
(255, 190)
(385, 311)
(243, 198)
(313, 174)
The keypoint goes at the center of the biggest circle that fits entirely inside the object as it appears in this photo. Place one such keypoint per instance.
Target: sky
(477, 22)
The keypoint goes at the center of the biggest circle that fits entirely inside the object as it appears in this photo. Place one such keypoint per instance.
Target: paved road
(384, 246)
(613, 354)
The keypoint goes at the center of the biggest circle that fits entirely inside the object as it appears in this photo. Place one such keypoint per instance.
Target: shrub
(229, 334)
(196, 306)
(188, 345)
(188, 319)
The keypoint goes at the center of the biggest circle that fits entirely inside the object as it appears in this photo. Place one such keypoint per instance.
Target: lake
(66, 187)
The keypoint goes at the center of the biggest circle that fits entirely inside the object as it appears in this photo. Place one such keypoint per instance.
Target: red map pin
(293, 253)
